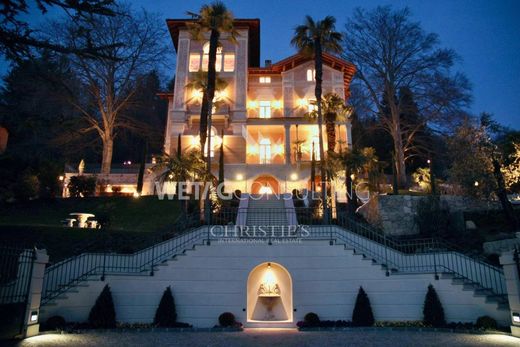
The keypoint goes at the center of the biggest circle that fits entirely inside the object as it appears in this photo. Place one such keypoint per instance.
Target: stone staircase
(266, 211)
(208, 280)
(328, 252)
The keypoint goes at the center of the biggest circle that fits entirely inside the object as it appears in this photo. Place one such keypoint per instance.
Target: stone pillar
(287, 144)
(32, 313)
(511, 265)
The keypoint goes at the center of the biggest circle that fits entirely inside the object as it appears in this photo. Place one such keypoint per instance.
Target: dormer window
(265, 79)
(311, 75)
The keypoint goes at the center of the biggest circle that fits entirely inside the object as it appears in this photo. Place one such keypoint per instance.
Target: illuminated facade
(260, 118)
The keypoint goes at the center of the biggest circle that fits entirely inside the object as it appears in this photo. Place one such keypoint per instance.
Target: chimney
(268, 63)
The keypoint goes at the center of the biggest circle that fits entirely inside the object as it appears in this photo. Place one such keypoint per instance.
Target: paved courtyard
(250, 338)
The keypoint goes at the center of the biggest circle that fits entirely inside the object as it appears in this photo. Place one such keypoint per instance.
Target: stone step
(268, 324)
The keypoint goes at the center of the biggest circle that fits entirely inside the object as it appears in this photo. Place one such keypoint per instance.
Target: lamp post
(432, 177)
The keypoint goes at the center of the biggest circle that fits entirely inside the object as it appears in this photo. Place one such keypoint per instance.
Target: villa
(269, 279)
(260, 119)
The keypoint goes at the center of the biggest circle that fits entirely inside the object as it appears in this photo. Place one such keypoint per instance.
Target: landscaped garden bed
(128, 224)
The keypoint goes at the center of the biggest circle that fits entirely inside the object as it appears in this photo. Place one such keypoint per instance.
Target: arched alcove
(265, 184)
(269, 294)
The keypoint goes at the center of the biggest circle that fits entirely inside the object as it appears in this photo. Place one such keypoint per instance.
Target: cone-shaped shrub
(432, 310)
(166, 316)
(103, 314)
(362, 315)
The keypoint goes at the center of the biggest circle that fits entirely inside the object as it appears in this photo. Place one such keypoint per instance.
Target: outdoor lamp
(34, 316)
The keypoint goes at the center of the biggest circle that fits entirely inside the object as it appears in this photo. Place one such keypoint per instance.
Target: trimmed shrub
(166, 316)
(311, 319)
(103, 314)
(325, 324)
(55, 323)
(432, 310)
(81, 186)
(362, 315)
(227, 319)
(486, 322)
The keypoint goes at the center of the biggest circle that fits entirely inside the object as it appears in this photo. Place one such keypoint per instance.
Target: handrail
(425, 255)
(68, 273)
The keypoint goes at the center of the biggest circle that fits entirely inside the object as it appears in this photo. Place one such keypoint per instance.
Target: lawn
(145, 214)
(134, 224)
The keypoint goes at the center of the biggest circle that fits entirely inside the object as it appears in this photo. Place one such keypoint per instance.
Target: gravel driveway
(277, 338)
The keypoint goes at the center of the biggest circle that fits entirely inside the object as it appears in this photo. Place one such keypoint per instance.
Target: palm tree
(214, 19)
(334, 110)
(180, 167)
(199, 81)
(356, 162)
(311, 39)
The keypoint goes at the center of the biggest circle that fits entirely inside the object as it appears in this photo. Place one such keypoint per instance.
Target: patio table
(82, 218)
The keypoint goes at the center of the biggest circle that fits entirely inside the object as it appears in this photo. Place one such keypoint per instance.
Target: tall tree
(477, 163)
(221, 162)
(312, 38)
(148, 113)
(216, 20)
(213, 19)
(111, 82)
(334, 110)
(18, 39)
(392, 52)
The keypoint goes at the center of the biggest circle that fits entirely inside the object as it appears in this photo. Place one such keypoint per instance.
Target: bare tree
(392, 52)
(110, 83)
(18, 38)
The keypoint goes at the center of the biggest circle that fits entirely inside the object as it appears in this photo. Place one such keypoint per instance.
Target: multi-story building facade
(260, 120)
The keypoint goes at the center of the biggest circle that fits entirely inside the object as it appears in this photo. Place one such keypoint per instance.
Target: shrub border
(411, 329)
(143, 330)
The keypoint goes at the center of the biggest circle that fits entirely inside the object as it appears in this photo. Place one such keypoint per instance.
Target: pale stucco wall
(210, 280)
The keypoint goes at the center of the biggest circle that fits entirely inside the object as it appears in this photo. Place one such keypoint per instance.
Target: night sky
(485, 33)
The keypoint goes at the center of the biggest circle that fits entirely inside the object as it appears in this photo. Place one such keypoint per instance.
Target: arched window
(311, 75)
(225, 61)
(265, 151)
(205, 58)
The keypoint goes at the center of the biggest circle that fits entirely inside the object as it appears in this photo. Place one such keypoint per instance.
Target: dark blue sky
(485, 33)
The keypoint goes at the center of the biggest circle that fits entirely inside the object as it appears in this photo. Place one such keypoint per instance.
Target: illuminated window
(214, 143)
(205, 58)
(265, 151)
(194, 62)
(312, 106)
(315, 145)
(265, 109)
(229, 62)
(265, 79)
(311, 75)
